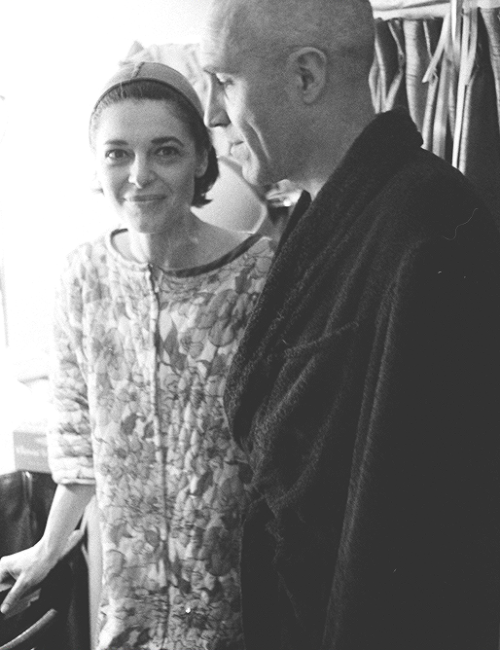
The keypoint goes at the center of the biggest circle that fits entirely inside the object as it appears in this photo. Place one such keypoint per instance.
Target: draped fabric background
(438, 58)
(442, 61)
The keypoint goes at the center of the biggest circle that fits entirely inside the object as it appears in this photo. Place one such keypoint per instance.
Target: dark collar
(373, 158)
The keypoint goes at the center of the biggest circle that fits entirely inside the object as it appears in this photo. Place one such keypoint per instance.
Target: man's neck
(333, 138)
(313, 187)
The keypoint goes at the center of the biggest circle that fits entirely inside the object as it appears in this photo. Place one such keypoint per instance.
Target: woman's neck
(166, 249)
(191, 244)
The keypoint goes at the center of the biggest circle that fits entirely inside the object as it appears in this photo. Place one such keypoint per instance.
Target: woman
(147, 322)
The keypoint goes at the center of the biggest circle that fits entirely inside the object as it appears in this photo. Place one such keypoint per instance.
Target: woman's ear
(309, 68)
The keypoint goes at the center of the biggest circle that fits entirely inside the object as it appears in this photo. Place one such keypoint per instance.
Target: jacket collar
(376, 154)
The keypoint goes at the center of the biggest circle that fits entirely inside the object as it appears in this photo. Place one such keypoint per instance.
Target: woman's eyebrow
(161, 140)
(164, 139)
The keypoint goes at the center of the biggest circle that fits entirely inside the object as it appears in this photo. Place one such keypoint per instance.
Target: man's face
(247, 98)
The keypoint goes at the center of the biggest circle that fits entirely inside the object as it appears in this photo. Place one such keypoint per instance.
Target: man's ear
(309, 69)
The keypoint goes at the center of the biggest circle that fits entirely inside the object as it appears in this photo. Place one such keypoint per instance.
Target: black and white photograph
(250, 325)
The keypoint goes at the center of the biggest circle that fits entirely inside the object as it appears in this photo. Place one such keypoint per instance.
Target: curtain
(441, 60)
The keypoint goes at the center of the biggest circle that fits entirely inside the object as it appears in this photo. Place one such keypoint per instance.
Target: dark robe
(366, 392)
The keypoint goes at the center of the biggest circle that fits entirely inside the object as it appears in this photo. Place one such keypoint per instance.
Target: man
(366, 390)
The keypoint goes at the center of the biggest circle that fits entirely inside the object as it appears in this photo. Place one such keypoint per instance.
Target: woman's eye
(167, 152)
(115, 155)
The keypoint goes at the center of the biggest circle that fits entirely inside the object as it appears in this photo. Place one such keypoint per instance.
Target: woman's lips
(144, 198)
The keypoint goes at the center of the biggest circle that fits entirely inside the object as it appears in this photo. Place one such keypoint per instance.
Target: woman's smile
(145, 198)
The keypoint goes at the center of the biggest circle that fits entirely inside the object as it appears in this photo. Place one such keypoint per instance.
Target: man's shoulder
(429, 198)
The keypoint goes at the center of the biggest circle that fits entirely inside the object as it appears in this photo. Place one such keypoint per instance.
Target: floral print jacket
(141, 357)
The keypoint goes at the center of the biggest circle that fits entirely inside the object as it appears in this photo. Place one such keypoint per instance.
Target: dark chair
(25, 500)
(39, 621)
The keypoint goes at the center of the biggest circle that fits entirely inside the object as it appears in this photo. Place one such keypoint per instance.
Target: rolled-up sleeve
(69, 433)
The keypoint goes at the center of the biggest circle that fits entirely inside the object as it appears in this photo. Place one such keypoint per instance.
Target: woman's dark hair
(147, 89)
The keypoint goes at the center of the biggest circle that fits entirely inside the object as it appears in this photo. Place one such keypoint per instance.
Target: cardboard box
(30, 447)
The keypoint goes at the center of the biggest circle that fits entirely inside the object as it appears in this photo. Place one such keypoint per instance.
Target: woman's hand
(25, 570)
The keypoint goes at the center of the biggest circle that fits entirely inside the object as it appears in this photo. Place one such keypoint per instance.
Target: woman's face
(146, 164)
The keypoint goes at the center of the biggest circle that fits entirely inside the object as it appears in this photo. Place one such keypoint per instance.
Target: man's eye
(222, 81)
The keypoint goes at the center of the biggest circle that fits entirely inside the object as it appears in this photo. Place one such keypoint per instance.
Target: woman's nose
(215, 111)
(140, 172)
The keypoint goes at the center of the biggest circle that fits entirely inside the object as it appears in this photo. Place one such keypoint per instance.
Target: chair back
(38, 620)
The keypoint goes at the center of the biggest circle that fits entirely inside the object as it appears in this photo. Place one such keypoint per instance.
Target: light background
(54, 57)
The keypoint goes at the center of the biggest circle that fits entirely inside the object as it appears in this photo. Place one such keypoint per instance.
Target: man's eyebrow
(214, 69)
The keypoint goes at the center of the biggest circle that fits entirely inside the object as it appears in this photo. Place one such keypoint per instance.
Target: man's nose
(215, 111)
(140, 173)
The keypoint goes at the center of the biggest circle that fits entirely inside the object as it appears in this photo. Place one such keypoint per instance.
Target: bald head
(288, 83)
(273, 28)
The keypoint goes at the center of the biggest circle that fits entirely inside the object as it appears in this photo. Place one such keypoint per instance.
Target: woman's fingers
(24, 572)
(14, 597)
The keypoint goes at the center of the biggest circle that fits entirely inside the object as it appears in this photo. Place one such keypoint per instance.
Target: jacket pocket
(311, 401)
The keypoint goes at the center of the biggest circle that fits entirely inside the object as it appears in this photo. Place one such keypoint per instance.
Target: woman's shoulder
(262, 245)
(88, 255)
(253, 248)
(260, 252)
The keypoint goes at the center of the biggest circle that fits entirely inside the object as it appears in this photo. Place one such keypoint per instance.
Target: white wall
(54, 56)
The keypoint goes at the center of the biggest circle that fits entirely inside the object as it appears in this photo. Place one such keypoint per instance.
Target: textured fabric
(479, 155)
(366, 393)
(141, 364)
